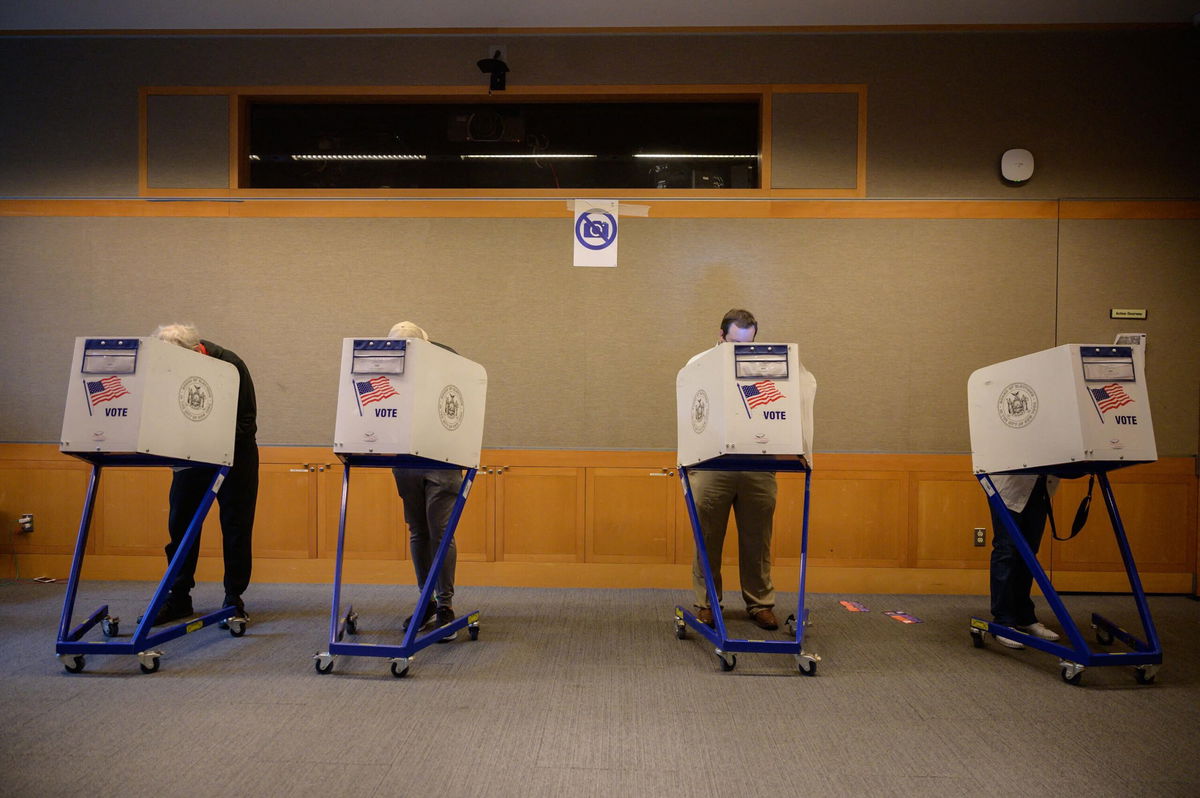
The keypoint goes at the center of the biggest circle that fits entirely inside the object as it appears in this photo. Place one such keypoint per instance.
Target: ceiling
(18, 16)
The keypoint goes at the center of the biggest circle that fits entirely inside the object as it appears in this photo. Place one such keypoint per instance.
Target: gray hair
(406, 329)
(185, 335)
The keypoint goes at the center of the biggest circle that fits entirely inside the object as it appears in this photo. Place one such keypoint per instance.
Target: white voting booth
(744, 399)
(1068, 409)
(1071, 411)
(745, 407)
(404, 403)
(406, 396)
(139, 401)
(145, 396)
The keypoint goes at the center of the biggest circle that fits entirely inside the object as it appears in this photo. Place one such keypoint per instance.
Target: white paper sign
(595, 232)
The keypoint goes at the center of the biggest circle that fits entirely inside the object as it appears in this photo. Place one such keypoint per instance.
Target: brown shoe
(705, 616)
(765, 619)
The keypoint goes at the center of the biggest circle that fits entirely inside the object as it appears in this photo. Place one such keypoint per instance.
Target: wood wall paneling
(375, 526)
(630, 514)
(879, 523)
(540, 514)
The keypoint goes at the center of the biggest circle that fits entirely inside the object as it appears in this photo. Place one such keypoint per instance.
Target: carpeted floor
(587, 692)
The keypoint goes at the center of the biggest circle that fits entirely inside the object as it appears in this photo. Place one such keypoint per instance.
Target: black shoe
(176, 608)
(430, 611)
(446, 615)
(237, 603)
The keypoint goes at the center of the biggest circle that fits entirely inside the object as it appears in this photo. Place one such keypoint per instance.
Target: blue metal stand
(727, 647)
(1145, 656)
(401, 656)
(71, 647)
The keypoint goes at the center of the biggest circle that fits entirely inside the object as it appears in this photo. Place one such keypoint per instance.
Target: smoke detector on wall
(1016, 166)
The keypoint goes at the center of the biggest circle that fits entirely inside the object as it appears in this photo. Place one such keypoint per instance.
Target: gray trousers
(429, 498)
(751, 496)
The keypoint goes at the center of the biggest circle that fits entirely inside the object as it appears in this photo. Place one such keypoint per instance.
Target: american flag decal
(761, 393)
(105, 390)
(374, 390)
(1110, 397)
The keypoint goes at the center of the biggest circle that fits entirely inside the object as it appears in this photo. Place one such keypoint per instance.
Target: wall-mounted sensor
(1016, 166)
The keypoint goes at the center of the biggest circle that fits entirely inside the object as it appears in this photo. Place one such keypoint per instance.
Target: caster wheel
(237, 627)
(473, 632)
(321, 665)
(73, 663)
(1103, 636)
(977, 638)
(1144, 676)
(352, 624)
(1071, 678)
(680, 629)
(110, 627)
(728, 661)
(151, 668)
(399, 672)
(807, 667)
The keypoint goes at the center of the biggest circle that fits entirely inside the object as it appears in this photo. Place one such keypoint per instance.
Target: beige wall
(892, 313)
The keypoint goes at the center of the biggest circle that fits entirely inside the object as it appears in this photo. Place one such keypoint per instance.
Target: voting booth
(1071, 411)
(745, 407)
(404, 403)
(744, 399)
(406, 396)
(143, 402)
(143, 396)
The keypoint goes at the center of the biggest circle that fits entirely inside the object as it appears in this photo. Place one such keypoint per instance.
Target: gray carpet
(587, 692)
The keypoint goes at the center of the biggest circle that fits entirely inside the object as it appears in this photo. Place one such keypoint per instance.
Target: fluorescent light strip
(668, 155)
(356, 157)
(543, 156)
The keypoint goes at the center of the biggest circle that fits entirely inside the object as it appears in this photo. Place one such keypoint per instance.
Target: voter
(237, 496)
(751, 496)
(1028, 496)
(429, 496)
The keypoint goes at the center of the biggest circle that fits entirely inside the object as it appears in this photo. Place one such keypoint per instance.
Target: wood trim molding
(217, 203)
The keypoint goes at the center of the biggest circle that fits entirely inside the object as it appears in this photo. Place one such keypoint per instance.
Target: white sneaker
(1004, 641)
(1039, 630)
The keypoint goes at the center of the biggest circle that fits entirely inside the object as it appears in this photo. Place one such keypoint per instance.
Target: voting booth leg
(72, 649)
(401, 656)
(1146, 655)
(727, 648)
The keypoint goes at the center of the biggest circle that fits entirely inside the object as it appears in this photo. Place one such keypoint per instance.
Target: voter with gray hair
(237, 497)
(429, 496)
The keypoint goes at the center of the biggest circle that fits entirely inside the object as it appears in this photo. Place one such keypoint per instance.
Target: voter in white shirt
(1028, 497)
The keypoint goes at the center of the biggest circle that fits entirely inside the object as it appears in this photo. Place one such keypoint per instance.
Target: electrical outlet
(491, 52)
(980, 536)
(25, 523)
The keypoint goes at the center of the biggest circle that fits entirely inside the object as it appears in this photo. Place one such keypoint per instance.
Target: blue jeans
(1012, 580)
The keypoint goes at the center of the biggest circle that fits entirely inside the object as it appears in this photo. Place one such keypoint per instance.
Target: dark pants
(237, 498)
(1012, 580)
(429, 498)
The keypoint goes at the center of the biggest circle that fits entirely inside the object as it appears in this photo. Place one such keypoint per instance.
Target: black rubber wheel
(807, 667)
(398, 672)
(327, 669)
(74, 665)
(728, 664)
(681, 630)
(1103, 636)
(1076, 679)
(237, 628)
(149, 668)
(977, 639)
(110, 627)
(473, 632)
(351, 626)
(1143, 677)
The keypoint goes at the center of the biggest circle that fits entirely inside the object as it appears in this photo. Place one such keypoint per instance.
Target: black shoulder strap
(1081, 515)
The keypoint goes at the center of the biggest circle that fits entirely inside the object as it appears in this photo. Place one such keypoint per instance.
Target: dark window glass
(604, 145)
